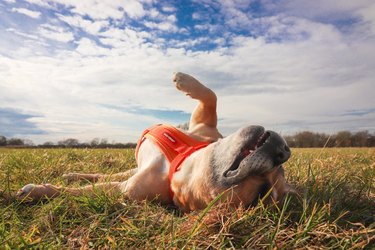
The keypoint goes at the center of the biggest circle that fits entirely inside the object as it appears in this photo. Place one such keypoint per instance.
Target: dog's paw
(32, 192)
(26, 193)
(188, 84)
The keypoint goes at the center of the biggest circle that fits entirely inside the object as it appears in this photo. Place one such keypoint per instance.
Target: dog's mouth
(245, 152)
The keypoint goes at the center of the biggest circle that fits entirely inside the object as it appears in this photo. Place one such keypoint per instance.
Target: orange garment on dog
(175, 145)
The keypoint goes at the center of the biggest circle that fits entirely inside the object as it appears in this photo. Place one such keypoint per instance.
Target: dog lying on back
(190, 168)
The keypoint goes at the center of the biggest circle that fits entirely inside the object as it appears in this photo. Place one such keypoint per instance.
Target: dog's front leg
(72, 177)
(108, 188)
(32, 192)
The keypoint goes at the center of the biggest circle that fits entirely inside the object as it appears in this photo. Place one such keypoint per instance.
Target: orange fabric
(175, 145)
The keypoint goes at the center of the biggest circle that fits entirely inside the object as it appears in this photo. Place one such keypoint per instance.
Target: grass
(335, 210)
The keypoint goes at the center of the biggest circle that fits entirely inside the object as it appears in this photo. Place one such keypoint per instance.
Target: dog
(240, 168)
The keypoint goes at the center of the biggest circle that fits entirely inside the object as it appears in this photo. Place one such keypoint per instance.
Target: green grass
(335, 211)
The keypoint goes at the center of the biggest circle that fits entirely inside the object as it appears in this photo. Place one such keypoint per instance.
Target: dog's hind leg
(72, 177)
(203, 120)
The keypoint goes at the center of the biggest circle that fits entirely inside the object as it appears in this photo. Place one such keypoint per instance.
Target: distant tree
(48, 144)
(323, 140)
(340, 139)
(95, 142)
(304, 139)
(130, 145)
(343, 139)
(103, 142)
(71, 142)
(290, 140)
(3, 141)
(84, 145)
(329, 141)
(28, 143)
(371, 141)
(15, 142)
(361, 139)
(184, 126)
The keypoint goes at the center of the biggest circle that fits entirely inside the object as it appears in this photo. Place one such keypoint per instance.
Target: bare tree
(361, 139)
(15, 142)
(71, 142)
(3, 141)
(343, 139)
(94, 142)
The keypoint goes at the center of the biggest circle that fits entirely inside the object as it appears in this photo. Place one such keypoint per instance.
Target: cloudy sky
(102, 68)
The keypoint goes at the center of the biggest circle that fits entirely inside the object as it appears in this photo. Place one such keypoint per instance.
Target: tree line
(304, 139)
(66, 143)
(307, 139)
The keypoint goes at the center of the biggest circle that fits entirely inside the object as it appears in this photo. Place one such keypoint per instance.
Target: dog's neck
(191, 184)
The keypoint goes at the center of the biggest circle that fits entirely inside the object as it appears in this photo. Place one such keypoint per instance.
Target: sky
(102, 68)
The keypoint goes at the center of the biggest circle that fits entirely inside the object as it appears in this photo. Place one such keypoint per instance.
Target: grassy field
(335, 209)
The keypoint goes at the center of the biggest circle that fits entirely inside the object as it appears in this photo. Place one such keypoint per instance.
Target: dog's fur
(244, 166)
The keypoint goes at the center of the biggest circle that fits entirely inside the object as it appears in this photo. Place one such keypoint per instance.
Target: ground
(335, 209)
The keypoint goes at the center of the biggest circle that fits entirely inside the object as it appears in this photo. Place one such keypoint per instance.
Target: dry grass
(335, 210)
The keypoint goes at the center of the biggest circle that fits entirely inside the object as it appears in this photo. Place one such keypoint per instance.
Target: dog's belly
(151, 180)
(189, 184)
(150, 158)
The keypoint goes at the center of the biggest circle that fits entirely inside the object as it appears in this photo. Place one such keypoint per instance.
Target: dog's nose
(282, 154)
(277, 148)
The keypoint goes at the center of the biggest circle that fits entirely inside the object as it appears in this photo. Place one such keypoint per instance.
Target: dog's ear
(280, 188)
(287, 189)
(290, 190)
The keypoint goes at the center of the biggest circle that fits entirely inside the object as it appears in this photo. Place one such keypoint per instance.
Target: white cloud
(55, 33)
(23, 34)
(164, 26)
(105, 8)
(27, 12)
(154, 13)
(196, 16)
(92, 27)
(43, 3)
(160, 21)
(295, 72)
(70, 94)
(133, 9)
(192, 42)
(87, 47)
(368, 15)
(123, 39)
(235, 17)
(169, 9)
(319, 8)
(172, 18)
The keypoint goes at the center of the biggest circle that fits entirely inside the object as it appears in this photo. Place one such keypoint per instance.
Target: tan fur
(192, 185)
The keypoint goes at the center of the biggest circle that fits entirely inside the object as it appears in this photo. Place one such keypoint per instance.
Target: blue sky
(87, 69)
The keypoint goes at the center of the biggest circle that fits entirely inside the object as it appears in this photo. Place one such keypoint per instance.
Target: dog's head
(251, 158)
